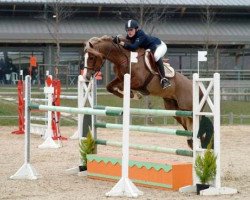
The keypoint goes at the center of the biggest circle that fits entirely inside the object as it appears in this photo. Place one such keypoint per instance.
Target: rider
(139, 39)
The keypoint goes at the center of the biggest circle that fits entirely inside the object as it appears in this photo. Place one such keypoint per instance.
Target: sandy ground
(55, 183)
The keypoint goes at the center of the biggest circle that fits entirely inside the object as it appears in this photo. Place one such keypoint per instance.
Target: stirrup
(165, 83)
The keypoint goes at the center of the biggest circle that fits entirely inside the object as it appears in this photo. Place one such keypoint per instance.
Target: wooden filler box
(156, 174)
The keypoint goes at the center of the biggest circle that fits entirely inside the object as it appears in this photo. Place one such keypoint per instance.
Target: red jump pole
(20, 90)
(56, 115)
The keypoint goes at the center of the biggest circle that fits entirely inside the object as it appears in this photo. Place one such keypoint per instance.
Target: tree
(60, 12)
(208, 18)
(149, 16)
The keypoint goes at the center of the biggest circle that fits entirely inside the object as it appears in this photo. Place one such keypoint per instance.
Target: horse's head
(94, 60)
(96, 51)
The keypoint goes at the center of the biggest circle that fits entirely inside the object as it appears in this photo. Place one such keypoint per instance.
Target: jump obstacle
(43, 130)
(28, 172)
(122, 189)
(40, 129)
(198, 104)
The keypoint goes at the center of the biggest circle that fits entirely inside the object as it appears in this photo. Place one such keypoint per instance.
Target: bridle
(94, 62)
(105, 58)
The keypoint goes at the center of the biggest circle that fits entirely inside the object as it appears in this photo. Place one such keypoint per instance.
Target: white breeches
(160, 51)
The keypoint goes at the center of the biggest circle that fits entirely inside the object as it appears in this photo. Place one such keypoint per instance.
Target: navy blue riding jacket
(142, 40)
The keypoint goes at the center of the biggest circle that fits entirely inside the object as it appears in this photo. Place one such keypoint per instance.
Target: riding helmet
(131, 24)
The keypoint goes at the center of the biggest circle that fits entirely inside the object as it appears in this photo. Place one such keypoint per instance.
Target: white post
(216, 114)
(94, 103)
(125, 186)
(49, 142)
(196, 123)
(80, 94)
(83, 94)
(21, 74)
(27, 171)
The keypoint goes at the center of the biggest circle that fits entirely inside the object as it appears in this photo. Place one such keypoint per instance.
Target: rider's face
(131, 32)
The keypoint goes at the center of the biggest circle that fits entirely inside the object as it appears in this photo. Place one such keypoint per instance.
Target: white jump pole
(125, 187)
(27, 171)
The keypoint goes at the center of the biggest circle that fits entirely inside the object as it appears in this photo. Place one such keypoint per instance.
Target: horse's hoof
(190, 143)
(137, 96)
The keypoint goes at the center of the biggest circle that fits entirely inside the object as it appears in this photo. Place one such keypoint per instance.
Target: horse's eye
(90, 58)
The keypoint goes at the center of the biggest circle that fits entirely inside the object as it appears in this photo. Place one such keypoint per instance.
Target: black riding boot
(164, 81)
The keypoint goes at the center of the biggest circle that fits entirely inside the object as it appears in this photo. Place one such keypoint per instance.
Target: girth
(143, 88)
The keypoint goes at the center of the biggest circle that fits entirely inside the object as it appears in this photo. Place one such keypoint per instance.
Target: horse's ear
(91, 45)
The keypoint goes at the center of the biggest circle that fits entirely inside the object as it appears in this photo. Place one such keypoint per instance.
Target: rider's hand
(116, 40)
(122, 43)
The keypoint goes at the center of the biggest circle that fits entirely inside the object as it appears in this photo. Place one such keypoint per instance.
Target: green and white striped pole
(150, 129)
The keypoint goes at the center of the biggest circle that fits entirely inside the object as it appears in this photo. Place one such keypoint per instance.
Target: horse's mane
(97, 40)
(105, 38)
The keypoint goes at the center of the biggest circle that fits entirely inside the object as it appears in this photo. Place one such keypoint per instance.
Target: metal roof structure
(174, 31)
(220, 3)
(19, 24)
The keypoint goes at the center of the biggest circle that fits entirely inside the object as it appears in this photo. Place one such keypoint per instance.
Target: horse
(179, 96)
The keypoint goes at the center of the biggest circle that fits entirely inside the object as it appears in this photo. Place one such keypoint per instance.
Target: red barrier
(20, 91)
(56, 115)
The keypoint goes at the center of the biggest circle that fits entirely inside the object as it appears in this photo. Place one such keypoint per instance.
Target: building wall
(230, 58)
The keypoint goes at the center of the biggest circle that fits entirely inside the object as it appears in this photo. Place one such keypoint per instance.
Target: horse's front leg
(116, 87)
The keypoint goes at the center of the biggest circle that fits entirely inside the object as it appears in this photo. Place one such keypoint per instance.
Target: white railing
(226, 74)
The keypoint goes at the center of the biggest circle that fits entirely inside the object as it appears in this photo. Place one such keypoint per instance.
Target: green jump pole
(150, 129)
(89, 111)
(181, 152)
(153, 112)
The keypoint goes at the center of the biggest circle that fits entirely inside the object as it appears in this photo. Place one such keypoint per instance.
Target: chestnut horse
(176, 97)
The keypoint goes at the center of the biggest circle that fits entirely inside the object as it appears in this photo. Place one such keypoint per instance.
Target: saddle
(151, 65)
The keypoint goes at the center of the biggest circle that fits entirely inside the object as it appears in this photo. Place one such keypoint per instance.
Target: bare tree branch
(60, 12)
(208, 18)
(149, 17)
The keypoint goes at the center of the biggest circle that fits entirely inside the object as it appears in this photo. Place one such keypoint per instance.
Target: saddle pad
(169, 71)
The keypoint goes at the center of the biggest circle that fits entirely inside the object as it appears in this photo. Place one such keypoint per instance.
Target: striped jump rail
(153, 112)
(181, 152)
(150, 129)
(89, 111)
